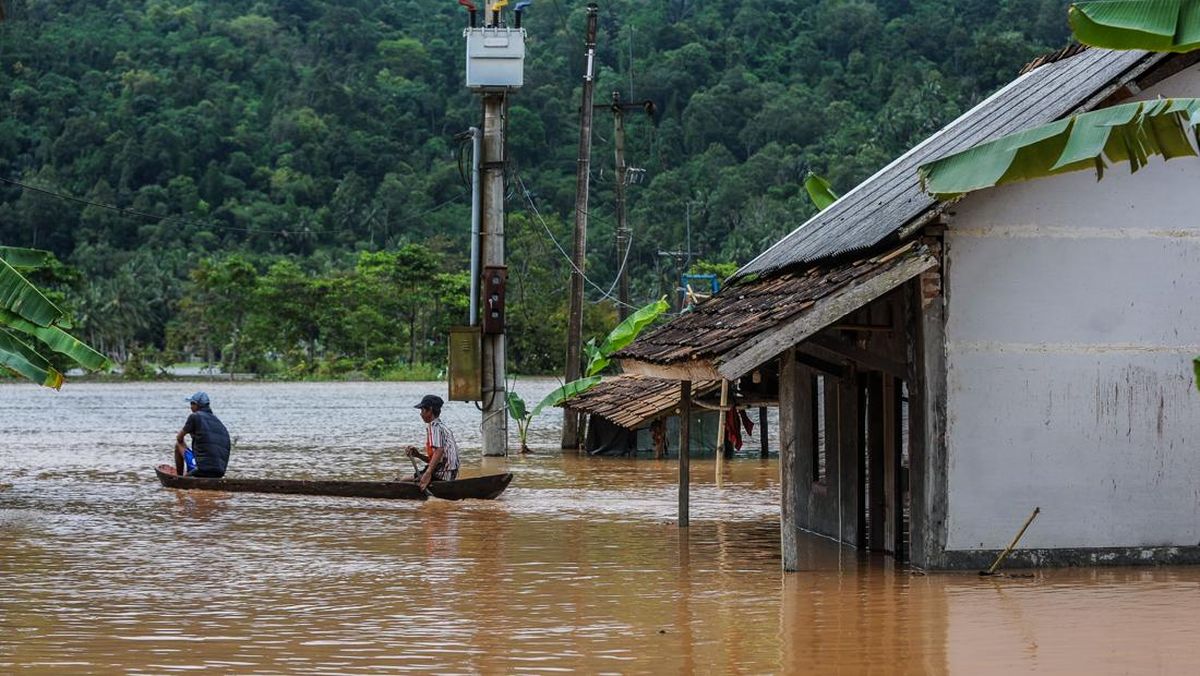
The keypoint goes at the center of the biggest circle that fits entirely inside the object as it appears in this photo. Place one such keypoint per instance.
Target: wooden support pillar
(927, 423)
(763, 436)
(685, 429)
(891, 465)
(721, 433)
(846, 460)
(796, 439)
(878, 407)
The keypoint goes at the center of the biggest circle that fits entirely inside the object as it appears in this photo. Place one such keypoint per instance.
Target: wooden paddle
(417, 476)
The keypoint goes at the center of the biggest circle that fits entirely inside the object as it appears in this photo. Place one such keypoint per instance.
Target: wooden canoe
(478, 488)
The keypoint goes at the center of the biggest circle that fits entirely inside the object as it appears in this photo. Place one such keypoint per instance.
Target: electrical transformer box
(466, 364)
(495, 57)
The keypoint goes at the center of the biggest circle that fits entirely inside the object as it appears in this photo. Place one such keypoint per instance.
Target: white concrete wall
(1073, 316)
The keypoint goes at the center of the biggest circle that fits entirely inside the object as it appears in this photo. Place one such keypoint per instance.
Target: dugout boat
(478, 488)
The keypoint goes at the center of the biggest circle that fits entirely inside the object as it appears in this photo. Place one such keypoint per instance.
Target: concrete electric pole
(495, 67)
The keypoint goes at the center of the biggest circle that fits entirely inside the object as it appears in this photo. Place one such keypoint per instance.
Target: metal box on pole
(495, 57)
(466, 364)
(495, 281)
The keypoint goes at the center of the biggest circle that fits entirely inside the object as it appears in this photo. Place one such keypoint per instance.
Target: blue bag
(189, 461)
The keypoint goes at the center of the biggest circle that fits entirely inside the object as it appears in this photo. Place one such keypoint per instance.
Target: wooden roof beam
(854, 353)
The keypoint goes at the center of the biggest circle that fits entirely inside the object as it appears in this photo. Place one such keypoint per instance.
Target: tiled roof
(740, 313)
(632, 400)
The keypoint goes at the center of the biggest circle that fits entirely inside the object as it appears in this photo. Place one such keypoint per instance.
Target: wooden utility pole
(622, 226)
(495, 418)
(570, 431)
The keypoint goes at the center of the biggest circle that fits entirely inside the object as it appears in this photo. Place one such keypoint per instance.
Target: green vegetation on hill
(293, 186)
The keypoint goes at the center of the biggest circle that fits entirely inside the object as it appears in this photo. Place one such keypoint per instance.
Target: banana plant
(1130, 133)
(29, 321)
(819, 191)
(1155, 25)
(598, 359)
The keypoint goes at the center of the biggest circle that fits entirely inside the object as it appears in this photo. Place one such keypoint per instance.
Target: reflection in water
(579, 566)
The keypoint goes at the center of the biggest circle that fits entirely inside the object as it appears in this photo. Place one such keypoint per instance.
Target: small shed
(946, 367)
(631, 413)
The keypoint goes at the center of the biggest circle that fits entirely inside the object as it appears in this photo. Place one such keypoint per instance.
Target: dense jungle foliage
(291, 188)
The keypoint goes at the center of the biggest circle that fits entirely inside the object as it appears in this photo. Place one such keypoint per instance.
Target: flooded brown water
(578, 567)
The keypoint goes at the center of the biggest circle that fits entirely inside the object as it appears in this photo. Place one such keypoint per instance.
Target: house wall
(1072, 316)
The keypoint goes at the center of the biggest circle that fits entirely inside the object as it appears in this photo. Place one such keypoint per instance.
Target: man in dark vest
(210, 440)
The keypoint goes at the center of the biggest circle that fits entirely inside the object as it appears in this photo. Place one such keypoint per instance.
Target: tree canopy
(212, 168)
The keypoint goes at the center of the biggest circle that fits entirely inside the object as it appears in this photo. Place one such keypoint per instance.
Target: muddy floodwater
(579, 566)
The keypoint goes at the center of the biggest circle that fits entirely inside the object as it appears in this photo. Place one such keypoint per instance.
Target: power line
(604, 294)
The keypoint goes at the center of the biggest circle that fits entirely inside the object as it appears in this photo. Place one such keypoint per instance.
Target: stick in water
(989, 571)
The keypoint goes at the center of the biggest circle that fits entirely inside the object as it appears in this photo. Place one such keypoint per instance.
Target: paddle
(417, 476)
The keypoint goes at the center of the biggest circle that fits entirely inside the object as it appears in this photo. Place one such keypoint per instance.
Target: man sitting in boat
(210, 441)
(441, 450)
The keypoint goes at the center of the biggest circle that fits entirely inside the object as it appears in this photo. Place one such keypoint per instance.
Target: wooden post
(570, 429)
(619, 193)
(685, 428)
(796, 438)
(721, 434)
(877, 491)
(891, 465)
(763, 437)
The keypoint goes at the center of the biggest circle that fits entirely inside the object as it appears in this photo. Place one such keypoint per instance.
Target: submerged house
(944, 368)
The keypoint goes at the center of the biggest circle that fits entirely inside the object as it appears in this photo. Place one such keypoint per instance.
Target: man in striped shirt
(441, 450)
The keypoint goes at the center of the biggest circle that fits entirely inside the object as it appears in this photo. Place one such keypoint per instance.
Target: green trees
(279, 317)
(312, 131)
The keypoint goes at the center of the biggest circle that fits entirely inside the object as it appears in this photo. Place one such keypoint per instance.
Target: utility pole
(570, 431)
(622, 226)
(495, 67)
(622, 172)
(495, 418)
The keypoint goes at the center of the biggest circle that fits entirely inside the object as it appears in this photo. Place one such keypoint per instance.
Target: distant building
(945, 368)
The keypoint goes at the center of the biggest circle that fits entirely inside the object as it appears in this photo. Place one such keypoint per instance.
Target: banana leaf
(597, 361)
(1130, 132)
(516, 405)
(56, 339)
(21, 359)
(565, 392)
(17, 295)
(819, 191)
(627, 331)
(26, 259)
(1155, 25)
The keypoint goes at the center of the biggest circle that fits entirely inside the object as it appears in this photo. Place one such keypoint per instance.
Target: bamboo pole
(996, 563)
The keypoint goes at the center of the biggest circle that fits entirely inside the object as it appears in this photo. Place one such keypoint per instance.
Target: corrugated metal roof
(887, 201)
(738, 314)
(632, 400)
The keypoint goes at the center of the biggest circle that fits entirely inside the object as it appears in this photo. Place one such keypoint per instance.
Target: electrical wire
(605, 295)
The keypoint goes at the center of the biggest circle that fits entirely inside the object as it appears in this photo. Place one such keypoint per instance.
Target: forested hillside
(272, 157)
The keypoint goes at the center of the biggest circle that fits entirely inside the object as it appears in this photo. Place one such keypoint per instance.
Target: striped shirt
(437, 435)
